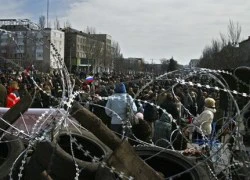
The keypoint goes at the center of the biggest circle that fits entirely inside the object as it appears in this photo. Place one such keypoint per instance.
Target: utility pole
(152, 64)
(70, 60)
(47, 13)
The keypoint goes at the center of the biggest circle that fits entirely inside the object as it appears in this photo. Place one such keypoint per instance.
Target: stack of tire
(54, 160)
(47, 159)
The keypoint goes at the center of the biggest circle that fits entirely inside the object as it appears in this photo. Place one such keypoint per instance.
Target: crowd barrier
(28, 119)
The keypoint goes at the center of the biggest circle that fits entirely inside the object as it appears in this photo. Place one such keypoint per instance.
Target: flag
(90, 79)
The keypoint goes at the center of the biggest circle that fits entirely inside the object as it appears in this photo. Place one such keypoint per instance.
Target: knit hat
(139, 116)
(120, 88)
(210, 102)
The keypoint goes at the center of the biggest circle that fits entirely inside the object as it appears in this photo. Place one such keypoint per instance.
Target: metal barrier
(28, 119)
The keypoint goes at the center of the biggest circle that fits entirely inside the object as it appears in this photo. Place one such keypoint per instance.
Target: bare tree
(94, 50)
(222, 53)
(67, 25)
(57, 24)
(234, 32)
(42, 22)
(224, 40)
(116, 50)
(116, 56)
(164, 65)
(90, 30)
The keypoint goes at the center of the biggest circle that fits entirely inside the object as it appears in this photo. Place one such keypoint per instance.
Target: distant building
(26, 45)
(75, 57)
(56, 37)
(193, 63)
(129, 65)
(88, 52)
(133, 64)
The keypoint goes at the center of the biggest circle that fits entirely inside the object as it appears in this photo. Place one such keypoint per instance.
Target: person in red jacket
(13, 94)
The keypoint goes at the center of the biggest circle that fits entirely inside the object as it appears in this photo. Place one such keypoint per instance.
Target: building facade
(24, 45)
(129, 65)
(87, 52)
(193, 63)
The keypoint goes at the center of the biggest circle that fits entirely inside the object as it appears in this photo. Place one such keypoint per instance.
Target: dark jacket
(162, 130)
(171, 108)
(150, 113)
(142, 131)
(3, 95)
(100, 112)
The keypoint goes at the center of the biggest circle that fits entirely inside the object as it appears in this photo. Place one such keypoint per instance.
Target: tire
(104, 174)
(31, 170)
(34, 171)
(18, 163)
(203, 167)
(9, 152)
(169, 163)
(55, 157)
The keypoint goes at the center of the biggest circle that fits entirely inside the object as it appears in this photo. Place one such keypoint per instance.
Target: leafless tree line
(225, 52)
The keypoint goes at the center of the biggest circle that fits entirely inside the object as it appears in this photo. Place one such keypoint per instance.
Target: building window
(20, 47)
(19, 55)
(39, 54)
(84, 61)
(39, 47)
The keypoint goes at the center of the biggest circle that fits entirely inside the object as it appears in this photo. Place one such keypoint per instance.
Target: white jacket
(204, 121)
(118, 103)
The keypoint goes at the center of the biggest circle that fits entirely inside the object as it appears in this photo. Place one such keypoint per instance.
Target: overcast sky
(151, 29)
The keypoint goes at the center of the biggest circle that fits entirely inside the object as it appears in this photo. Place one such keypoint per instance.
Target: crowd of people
(185, 105)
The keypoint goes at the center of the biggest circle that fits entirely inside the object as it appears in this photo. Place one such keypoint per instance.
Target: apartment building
(26, 45)
(84, 51)
(193, 63)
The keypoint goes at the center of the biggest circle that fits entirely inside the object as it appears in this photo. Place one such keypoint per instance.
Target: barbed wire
(38, 134)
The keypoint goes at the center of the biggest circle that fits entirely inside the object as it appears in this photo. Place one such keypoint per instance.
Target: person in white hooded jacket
(116, 107)
(203, 122)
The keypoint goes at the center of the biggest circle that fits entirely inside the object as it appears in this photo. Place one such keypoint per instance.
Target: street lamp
(70, 60)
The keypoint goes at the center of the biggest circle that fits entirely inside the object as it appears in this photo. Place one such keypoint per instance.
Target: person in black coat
(99, 110)
(3, 95)
(170, 106)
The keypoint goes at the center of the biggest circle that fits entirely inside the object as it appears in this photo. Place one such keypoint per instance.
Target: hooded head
(210, 103)
(139, 116)
(13, 86)
(120, 88)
